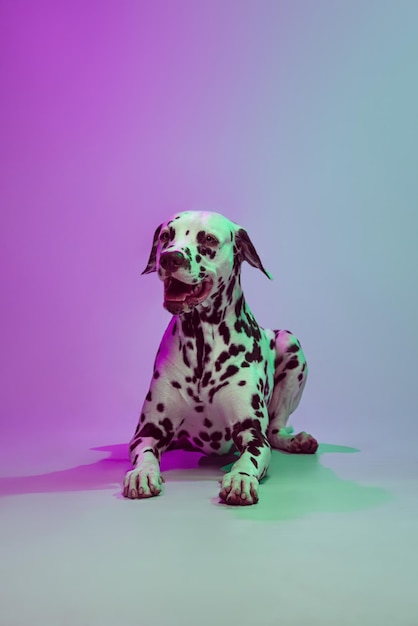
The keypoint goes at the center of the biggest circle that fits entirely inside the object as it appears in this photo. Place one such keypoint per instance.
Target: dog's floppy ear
(247, 251)
(151, 265)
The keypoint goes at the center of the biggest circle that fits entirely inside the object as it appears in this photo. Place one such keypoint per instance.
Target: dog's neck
(215, 316)
(226, 303)
(218, 324)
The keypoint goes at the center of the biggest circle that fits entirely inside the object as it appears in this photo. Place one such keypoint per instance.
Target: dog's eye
(164, 236)
(211, 240)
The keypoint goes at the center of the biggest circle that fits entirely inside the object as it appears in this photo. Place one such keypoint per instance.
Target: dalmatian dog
(221, 383)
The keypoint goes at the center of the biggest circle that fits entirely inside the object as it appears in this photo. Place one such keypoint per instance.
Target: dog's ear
(247, 251)
(151, 265)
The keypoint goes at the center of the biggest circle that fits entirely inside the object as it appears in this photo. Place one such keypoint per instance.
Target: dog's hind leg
(290, 376)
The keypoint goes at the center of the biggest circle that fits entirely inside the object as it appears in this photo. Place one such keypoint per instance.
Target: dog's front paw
(143, 482)
(239, 488)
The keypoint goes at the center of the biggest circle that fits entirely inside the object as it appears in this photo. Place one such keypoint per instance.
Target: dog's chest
(201, 362)
(206, 358)
(205, 354)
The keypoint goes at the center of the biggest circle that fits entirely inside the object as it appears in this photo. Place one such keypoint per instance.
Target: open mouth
(180, 297)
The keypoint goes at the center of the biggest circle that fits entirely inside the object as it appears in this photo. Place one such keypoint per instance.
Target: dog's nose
(171, 261)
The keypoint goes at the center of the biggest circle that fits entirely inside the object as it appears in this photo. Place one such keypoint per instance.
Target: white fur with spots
(220, 381)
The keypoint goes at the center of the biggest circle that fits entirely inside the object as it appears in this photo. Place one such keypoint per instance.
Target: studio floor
(333, 540)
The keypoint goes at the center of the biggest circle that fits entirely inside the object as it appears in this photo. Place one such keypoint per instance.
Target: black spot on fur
(199, 408)
(243, 473)
(198, 441)
(254, 462)
(151, 430)
(255, 401)
(154, 432)
(191, 393)
(206, 250)
(156, 374)
(160, 407)
(187, 326)
(293, 348)
(207, 423)
(215, 390)
(255, 355)
(224, 356)
(246, 424)
(238, 307)
(235, 349)
(176, 384)
(167, 424)
(280, 377)
(230, 289)
(292, 364)
(185, 358)
(231, 370)
(224, 332)
(254, 448)
(204, 436)
(277, 362)
(149, 396)
(242, 383)
(206, 378)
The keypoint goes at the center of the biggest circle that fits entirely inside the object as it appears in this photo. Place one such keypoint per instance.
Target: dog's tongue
(175, 290)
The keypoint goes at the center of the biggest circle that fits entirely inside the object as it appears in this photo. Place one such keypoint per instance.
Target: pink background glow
(296, 120)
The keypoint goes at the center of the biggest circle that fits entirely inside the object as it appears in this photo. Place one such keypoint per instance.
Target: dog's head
(195, 253)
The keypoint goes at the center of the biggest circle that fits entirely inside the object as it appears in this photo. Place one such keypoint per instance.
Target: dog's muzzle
(181, 297)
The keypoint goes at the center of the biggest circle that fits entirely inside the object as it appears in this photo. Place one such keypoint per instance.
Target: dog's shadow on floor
(297, 485)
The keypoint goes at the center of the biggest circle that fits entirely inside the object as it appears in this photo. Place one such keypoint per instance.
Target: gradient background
(297, 120)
